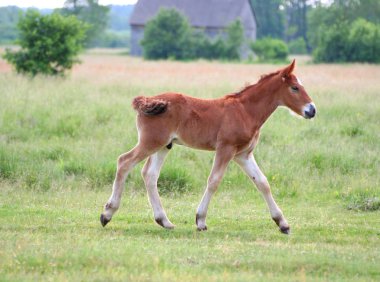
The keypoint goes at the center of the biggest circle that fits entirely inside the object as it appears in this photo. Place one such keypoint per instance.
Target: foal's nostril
(310, 114)
(310, 111)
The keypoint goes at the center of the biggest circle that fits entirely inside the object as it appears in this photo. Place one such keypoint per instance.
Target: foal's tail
(149, 106)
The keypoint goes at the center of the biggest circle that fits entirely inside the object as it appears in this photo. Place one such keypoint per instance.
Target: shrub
(333, 44)
(206, 48)
(269, 49)
(49, 43)
(297, 46)
(166, 36)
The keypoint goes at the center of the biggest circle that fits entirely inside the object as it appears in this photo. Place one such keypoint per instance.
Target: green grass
(60, 138)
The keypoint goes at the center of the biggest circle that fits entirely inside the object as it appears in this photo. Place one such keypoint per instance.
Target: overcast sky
(57, 3)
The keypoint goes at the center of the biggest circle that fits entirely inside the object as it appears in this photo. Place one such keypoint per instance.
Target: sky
(41, 4)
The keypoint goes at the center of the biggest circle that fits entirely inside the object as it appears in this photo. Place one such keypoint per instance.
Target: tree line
(337, 31)
(341, 31)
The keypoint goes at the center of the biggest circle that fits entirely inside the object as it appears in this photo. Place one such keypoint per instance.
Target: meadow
(60, 138)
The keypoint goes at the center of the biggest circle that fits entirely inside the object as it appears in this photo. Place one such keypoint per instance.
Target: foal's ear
(286, 72)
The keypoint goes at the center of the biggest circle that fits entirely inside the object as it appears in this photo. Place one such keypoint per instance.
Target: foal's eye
(294, 88)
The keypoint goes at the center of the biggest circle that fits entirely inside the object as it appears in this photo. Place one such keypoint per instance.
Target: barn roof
(201, 13)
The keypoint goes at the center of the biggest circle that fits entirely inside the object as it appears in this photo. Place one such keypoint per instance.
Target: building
(212, 16)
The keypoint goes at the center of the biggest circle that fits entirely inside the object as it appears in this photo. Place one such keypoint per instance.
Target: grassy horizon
(60, 138)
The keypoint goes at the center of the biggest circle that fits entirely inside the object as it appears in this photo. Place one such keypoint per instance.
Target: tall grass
(54, 131)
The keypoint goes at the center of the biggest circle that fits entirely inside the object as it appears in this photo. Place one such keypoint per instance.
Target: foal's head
(293, 95)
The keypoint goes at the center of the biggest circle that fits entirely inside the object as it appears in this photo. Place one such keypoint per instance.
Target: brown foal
(229, 125)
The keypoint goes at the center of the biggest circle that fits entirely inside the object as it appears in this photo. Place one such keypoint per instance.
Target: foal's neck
(260, 102)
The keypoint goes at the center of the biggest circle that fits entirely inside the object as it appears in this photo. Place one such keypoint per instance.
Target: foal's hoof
(285, 230)
(164, 223)
(202, 228)
(283, 225)
(104, 220)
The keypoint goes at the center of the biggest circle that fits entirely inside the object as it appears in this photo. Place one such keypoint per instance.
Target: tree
(270, 18)
(296, 23)
(90, 12)
(321, 17)
(167, 36)
(333, 44)
(49, 44)
(235, 39)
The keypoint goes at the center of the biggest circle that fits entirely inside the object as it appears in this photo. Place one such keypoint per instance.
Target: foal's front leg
(222, 158)
(250, 167)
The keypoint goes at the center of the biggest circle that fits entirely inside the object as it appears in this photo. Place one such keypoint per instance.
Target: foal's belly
(193, 142)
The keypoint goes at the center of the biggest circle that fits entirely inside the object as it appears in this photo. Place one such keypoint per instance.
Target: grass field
(60, 138)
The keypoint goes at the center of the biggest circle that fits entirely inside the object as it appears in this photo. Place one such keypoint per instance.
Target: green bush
(167, 36)
(269, 49)
(49, 43)
(344, 42)
(297, 46)
(203, 47)
(218, 48)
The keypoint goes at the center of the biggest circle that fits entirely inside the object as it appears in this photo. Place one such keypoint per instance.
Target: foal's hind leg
(250, 167)
(125, 164)
(150, 173)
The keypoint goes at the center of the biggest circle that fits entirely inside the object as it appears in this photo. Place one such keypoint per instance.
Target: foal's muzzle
(309, 111)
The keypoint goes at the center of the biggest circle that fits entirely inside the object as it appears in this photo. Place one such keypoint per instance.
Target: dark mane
(263, 78)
